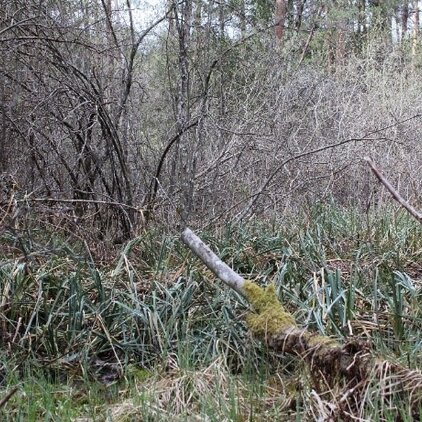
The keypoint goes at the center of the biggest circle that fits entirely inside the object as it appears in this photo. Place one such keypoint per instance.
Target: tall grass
(154, 333)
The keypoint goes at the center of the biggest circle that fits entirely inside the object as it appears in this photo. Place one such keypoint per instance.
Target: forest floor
(151, 335)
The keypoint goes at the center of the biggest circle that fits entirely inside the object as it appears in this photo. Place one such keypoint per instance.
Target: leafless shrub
(190, 125)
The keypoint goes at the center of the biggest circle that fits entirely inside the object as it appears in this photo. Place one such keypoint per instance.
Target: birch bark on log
(213, 262)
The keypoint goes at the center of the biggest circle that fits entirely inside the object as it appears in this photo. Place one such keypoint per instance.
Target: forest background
(247, 120)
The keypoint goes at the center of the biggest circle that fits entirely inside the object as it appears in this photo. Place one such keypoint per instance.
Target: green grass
(153, 335)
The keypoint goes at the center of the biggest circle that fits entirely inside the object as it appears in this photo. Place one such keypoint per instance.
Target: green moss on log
(322, 342)
(270, 317)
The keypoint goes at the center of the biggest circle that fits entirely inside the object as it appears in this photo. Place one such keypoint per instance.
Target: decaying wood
(344, 367)
(380, 176)
(277, 327)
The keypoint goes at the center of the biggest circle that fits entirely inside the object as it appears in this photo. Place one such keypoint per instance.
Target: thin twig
(84, 201)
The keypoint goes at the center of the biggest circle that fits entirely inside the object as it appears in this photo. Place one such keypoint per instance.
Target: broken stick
(394, 193)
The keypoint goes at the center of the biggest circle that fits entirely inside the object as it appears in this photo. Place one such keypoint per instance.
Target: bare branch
(213, 262)
(380, 176)
(146, 31)
(14, 25)
(152, 195)
(82, 201)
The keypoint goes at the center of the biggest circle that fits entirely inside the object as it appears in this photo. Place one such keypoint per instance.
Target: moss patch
(270, 317)
(322, 342)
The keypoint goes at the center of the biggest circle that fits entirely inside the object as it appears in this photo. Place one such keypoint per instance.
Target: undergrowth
(152, 335)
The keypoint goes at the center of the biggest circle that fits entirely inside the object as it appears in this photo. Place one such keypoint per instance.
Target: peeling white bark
(213, 262)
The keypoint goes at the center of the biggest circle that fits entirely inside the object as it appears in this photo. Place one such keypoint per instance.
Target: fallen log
(347, 368)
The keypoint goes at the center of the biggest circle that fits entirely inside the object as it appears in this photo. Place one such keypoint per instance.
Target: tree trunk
(280, 15)
(416, 23)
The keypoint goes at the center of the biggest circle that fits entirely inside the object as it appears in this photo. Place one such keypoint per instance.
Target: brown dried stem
(7, 397)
